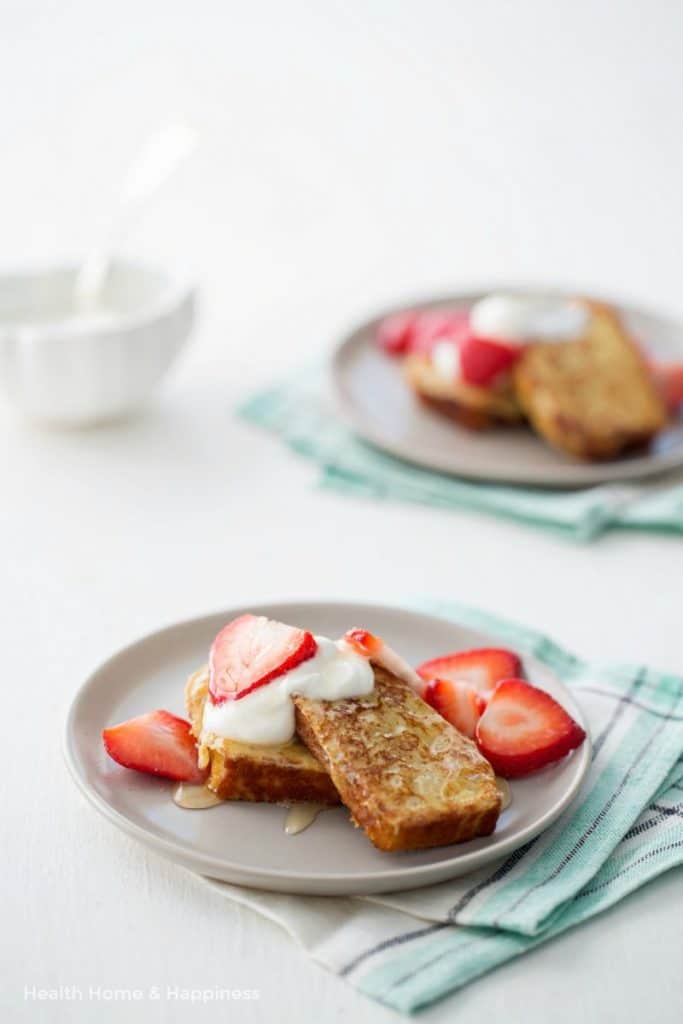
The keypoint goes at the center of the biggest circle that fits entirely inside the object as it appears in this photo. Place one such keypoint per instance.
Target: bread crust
(410, 780)
(249, 777)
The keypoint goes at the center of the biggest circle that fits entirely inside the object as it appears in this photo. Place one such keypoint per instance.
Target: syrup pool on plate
(300, 816)
(193, 797)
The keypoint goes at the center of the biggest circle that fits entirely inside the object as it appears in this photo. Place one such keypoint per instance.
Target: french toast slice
(472, 407)
(287, 773)
(593, 398)
(410, 780)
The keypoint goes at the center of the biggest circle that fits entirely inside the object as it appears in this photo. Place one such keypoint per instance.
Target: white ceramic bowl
(75, 369)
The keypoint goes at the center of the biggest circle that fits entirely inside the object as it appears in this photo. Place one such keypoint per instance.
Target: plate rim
(583, 474)
(420, 875)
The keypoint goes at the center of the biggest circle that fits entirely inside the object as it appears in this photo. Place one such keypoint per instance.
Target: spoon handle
(161, 155)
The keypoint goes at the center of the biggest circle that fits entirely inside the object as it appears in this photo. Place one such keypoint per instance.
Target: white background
(353, 153)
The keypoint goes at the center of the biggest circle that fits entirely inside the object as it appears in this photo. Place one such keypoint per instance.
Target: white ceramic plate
(245, 843)
(378, 405)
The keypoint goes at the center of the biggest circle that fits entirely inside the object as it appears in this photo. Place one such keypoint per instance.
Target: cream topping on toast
(266, 714)
(529, 318)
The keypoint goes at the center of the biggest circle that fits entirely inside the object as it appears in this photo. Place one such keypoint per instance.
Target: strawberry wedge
(375, 649)
(394, 333)
(433, 326)
(158, 743)
(458, 702)
(250, 651)
(524, 729)
(483, 359)
(482, 668)
(364, 642)
(418, 331)
(669, 377)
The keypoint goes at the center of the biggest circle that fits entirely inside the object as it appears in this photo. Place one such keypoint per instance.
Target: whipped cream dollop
(266, 714)
(528, 318)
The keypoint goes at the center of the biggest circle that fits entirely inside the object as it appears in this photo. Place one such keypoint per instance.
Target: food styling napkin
(624, 828)
(301, 413)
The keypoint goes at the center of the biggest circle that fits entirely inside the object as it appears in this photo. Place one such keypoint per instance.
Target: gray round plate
(246, 843)
(377, 404)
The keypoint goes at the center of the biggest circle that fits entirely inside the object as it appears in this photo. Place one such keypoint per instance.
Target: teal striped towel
(299, 411)
(624, 828)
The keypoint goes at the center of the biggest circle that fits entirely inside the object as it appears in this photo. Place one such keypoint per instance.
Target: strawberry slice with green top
(250, 651)
(481, 667)
(458, 702)
(158, 743)
(524, 729)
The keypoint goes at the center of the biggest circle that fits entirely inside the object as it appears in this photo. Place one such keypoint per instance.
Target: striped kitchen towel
(625, 827)
(300, 411)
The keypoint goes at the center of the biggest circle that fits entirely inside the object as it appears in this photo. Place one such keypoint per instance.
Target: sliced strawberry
(250, 651)
(483, 359)
(363, 642)
(524, 729)
(379, 651)
(419, 330)
(158, 743)
(670, 380)
(481, 667)
(434, 325)
(458, 702)
(395, 332)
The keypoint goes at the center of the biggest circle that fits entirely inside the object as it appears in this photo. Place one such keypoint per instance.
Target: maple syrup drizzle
(300, 816)
(194, 798)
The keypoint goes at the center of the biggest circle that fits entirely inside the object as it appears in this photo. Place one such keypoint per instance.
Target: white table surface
(352, 154)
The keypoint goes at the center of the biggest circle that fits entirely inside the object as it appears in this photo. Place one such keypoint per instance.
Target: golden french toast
(472, 407)
(408, 777)
(288, 773)
(593, 398)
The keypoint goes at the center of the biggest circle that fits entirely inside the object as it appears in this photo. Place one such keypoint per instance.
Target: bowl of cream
(67, 365)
